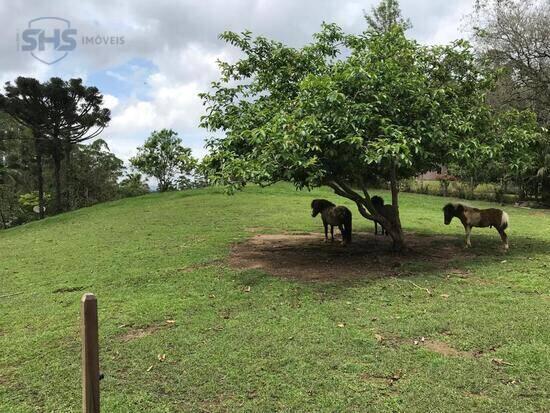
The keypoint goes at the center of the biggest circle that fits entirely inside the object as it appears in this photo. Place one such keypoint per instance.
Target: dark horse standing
(387, 211)
(333, 215)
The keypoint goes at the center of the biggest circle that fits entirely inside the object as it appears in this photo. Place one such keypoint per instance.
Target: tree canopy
(163, 157)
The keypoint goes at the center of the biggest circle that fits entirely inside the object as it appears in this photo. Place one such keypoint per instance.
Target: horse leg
(326, 231)
(332, 233)
(468, 232)
(375, 228)
(343, 232)
(504, 238)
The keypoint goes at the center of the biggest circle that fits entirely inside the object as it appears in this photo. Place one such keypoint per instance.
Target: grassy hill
(246, 340)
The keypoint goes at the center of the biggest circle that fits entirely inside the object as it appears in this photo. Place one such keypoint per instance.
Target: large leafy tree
(60, 114)
(164, 157)
(389, 109)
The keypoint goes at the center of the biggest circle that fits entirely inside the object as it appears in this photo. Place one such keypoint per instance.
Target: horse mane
(459, 207)
(455, 207)
(321, 204)
(377, 201)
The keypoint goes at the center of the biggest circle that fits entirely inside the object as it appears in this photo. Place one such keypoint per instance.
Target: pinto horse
(333, 215)
(473, 217)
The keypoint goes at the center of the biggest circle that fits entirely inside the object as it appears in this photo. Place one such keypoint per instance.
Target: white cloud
(117, 76)
(134, 117)
(110, 101)
(180, 38)
(172, 103)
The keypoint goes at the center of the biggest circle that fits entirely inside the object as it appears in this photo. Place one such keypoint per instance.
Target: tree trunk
(396, 232)
(368, 210)
(68, 176)
(163, 185)
(40, 182)
(398, 239)
(3, 219)
(57, 180)
(545, 191)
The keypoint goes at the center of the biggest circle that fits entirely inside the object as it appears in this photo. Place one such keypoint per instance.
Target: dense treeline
(96, 175)
(60, 115)
(46, 167)
(513, 37)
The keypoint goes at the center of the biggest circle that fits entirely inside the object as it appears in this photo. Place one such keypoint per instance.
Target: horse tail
(504, 221)
(347, 226)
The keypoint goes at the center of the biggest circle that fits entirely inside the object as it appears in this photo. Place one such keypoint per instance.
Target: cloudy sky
(160, 54)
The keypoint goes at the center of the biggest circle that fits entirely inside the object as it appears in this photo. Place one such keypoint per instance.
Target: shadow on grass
(304, 257)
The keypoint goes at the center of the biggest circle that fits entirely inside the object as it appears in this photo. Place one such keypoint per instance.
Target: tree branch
(354, 196)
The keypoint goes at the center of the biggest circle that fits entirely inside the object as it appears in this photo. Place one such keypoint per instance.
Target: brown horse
(387, 211)
(482, 218)
(333, 215)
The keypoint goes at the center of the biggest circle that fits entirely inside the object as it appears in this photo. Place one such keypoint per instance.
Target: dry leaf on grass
(378, 337)
(421, 288)
(150, 368)
(445, 295)
(341, 325)
(161, 357)
(247, 289)
(170, 321)
(500, 362)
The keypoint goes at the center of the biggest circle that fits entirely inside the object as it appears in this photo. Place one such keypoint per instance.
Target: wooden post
(90, 354)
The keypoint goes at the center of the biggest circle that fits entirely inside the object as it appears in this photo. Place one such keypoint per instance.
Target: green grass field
(286, 345)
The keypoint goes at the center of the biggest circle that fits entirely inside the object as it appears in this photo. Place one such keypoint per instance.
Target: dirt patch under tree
(306, 256)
